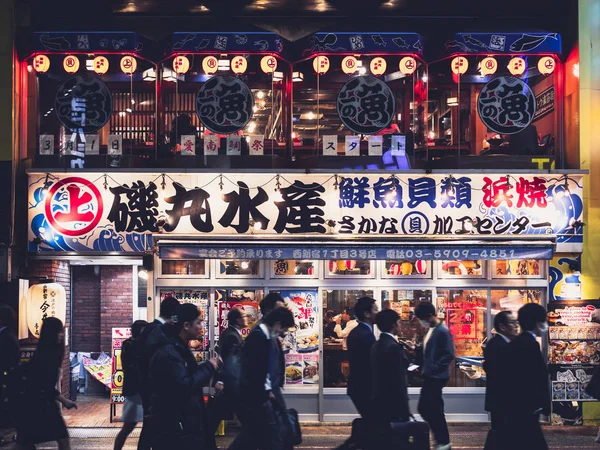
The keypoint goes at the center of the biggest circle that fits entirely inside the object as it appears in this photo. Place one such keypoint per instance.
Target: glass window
(249, 268)
(464, 312)
(339, 320)
(200, 298)
(295, 267)
(517, 268)
(455, 268)
(184, 267)
(513, 299)
(399, 268)
(247, 299)
(345, 267)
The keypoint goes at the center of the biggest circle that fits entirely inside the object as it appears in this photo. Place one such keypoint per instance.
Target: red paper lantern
(350, 264)
(311, 270)
(332, 266)
(421, 266)
(394, 269)
(341, 265)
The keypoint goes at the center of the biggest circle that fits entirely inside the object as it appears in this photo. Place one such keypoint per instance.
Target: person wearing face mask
(438, 353)
(526, 387)
(262, 380)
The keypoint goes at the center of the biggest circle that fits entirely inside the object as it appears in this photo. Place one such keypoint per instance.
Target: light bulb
(310, 115)
(260, 95)
(244, 265)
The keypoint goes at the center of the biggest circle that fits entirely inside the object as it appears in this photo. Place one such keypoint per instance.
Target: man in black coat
(494, 364)
(389, 370)
(9, 357)
(261, 384)
(177, 412)
(526, 390)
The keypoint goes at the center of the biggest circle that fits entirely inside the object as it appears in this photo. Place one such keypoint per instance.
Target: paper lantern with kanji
(517, 66)
(45, 300)
(394, 269)
(488, 66)
(210, 64)
(421, 266)
(378, 65)
(239, 65)
(321, 64)
(181, 64)
(459, 65)
(341, 265)
(350, 264)
(408, 65)
(71, 64)
(41, 63)
(268, 64)
(406, 268)
(546, 65)
(100, 65)
(349, 65)
(128, 64)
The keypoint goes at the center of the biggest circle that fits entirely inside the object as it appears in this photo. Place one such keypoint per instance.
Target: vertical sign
(115, 144)
(234, 145)
(188, 145)
(46, 144)
(92, 144)
(375, 145)
(398, 145)
(352, 147)
(211, 144)
(330, 145)
(116, 387)
(256, 144)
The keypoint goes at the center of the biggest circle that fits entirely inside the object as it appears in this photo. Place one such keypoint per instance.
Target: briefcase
(411, 435)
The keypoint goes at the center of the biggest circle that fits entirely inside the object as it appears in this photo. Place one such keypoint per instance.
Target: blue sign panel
(226, 42)
(529, 43)
(86, 41)
(363, 43)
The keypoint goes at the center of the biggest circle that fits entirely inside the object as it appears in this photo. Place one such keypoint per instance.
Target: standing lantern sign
(321, 64)
(45, 300)
(116, 388)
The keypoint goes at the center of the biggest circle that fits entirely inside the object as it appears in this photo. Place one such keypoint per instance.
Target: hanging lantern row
(71, 64)
(516, 66)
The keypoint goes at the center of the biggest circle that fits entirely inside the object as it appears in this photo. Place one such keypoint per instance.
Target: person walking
(9, 358)
(133, 411)
(177, 413)
(494, 364)
(151, 336)
(40, 417)
(526, 390)
(261, 385)
(438, 353)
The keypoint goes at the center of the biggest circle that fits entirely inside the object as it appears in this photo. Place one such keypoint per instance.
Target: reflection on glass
(293, 267)
(403, 267)
(349, 267)
(521, 267)
(513, 299)
(183, 267)
(455, 268)
(239, 267)
(339, 321)
(464, 313)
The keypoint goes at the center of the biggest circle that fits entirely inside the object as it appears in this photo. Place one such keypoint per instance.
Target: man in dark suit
(438, 353)
(9, 357)
(388, 368)
(526, 390)
(261, 384)
(494, 364)
(149, 340)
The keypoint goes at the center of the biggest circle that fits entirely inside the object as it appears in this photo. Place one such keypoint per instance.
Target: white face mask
(544, 327)
(424, 323)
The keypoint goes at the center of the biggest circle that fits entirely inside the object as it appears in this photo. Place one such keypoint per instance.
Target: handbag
(491, 440)
(290, 425)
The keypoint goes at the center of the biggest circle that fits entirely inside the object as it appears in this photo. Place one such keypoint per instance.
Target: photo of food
(311, 369)
(574, 352)
(293, 374)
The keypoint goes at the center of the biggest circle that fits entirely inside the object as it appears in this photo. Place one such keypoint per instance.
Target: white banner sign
(256, 144)
(92, 144)
(211, 145)
(330, 145)
(115, 144)
(188, 145)
(375, 145)
(352, 147)
(234, 145)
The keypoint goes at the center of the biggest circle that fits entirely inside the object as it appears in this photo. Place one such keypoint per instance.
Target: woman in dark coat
(41, 419)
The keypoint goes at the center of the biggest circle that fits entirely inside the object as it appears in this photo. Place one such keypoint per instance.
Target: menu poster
(304, 306)
(116, 386)
(310, 372)
(569, 382)
(293, 369)
(574, 352)
(251, 309)
(574, 313)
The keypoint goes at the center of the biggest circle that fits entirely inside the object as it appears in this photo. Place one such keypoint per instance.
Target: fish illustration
(278, 45)
(118, 44)
(471, 40)
(139, 47)
(180, 44)
(54, 43)
(400, 42)
(418, 45)
(202, 45)
(104, 43)
(528, 42)
(325, 43)
(461, 45)
(378, 40)
(241, 39)
(262, 45)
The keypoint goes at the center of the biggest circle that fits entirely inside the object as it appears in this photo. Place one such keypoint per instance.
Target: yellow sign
(268, 64)
(378, 65)
(517, 66)
(408, 65)
(181, 64)
(460, 65)
(488, 66)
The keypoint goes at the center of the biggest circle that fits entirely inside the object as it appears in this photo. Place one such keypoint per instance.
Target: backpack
(232, 371)
(12, 391)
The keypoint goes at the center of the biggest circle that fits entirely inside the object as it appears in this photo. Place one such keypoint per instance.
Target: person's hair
(530, 314)
(137, 327)
(501, 319)
(330, 314)
(386, 320)
(268, 303)
(424, 310)
(48, 349)
(234, 315)
(168, 307)
(7, 316)
(363, 306)
(282, 315)
(186, 312)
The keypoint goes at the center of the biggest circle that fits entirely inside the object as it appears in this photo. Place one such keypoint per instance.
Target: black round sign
(366, 105)
(506, 105)
(83, 102)
(224, 104)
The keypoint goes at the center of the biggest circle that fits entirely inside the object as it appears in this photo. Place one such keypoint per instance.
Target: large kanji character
(140, 212)
(244, 206)
(421, 190)
(496, 192)
(198, 211)
(299, 211)
(531, 193)
(383, 191)
(456, 192)
(77, 200)
(443, 225)
(353, 192)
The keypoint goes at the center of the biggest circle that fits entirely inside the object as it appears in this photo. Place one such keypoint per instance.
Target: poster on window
(569, 381)
(117, 375)
(251, 310)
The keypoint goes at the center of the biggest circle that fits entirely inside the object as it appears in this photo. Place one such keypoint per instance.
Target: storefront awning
(359, 247)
